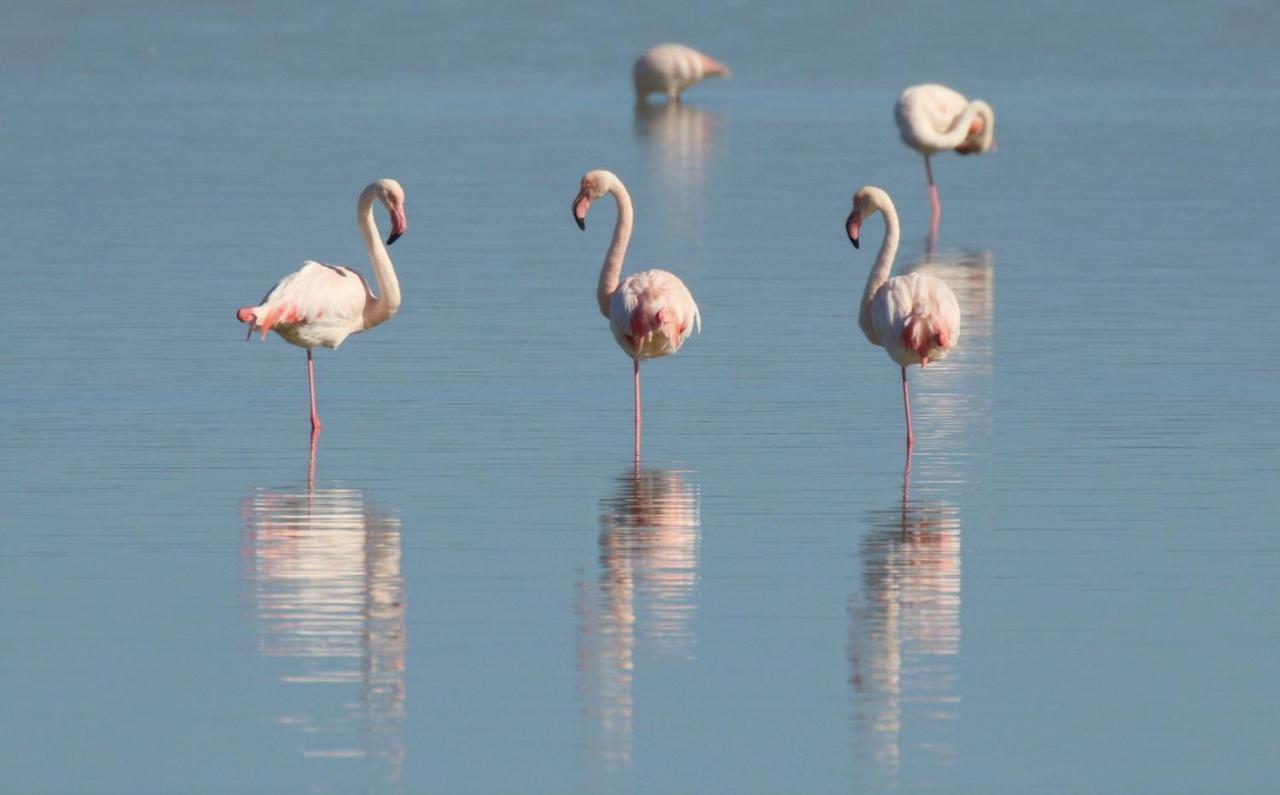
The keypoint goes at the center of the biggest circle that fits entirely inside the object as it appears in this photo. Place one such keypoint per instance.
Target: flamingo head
(594, 185)
(391, 195)
(982, 131)
(713, 68)
(866, 202)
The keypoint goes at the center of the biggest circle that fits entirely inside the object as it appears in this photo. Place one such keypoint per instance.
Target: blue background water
(478, 594)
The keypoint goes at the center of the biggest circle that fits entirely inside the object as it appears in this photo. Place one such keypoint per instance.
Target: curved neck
(959, 132)
(611, 271)
(880, 271)
(379, 308)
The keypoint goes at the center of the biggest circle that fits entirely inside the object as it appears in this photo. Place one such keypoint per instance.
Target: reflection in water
(648, 584)
(904, 635)
(322, 569)
(954, 403)
(682, 139)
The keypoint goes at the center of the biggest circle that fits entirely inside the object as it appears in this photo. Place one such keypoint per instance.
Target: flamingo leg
(933, 199)
(311, 382)
(906, 404)
(637, 389)
(311, 464)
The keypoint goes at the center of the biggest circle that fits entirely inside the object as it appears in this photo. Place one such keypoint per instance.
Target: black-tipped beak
(398, 224)
(851, 225)
(580, 207)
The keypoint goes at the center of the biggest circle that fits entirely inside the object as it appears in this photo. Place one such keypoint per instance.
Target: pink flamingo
(915, 317)
(651, 313)
(323, 304)
(933, 118)
(671, 68)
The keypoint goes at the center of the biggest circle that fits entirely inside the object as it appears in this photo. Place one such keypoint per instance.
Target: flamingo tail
(922, 333)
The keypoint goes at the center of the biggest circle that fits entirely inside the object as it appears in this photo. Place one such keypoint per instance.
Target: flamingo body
(316, 306)
(916, 318)
(929, 120)
(652, 313)
(669, 69)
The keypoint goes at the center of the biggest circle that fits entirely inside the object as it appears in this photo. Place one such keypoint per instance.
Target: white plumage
(919, 305)
(657, 300)
(669, 69)
(318, 305)
(932, 119)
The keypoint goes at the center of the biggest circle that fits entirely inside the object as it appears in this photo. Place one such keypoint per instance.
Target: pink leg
(637, 387)
(311, 381)
(933, 199)
(906, 403)
(311, 463)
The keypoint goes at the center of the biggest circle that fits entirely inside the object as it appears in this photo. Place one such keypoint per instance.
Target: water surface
(471, 588)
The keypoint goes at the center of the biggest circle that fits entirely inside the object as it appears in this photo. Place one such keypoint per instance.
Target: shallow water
(470, 588)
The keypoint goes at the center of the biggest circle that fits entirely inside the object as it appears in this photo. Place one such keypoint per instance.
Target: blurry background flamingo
(669, 69)
(932, 119)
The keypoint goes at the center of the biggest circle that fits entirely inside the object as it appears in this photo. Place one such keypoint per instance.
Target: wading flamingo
(915, 317)
(671, 68)
(651, 313)
(321, 304)
(932, 119)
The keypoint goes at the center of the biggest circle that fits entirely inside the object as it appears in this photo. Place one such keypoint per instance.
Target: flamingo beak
(398, 224)
(580, 207)
(852, 225)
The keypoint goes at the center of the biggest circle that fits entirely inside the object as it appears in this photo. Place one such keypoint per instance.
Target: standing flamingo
(323, 304)
(933, 118)
(671, 68)
(651, 313)
(915, 317)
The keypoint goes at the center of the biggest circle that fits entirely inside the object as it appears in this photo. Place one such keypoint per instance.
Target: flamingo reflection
(682, 139)
(956, 400)
(322, 569)
(904, 635)
(649, 539)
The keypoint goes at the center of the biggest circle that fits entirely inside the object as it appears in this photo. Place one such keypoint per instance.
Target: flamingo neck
(959, 132)
(378, 309)
(611, 271)
(880, 270)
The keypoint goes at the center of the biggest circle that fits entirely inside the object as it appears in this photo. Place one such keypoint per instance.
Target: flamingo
(671, 68)
(321, 304)
(651, 313)
(933, 118)
(915, 317)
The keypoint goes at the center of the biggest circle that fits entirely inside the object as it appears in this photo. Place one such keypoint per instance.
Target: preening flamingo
(321, 304)
(671, 68)
(915, 317)
(933, 118)
(651, 313)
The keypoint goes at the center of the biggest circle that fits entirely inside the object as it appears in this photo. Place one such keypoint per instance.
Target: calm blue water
(1075, 589)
